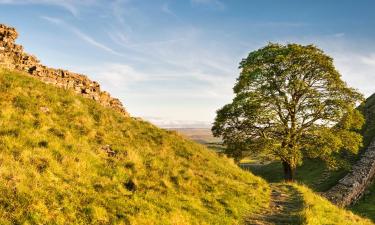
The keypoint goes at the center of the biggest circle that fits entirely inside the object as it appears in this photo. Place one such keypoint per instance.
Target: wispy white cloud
(354, 60)
(93, 42)
(166, 9)
(88, 39)
(114, 75)
(278, 24)
(217, 4)
(189, 64)
(369, 60)
(357, 69)
(73, 6)
(339, 35)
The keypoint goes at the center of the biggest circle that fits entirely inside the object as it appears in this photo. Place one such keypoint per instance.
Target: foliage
(290, 101)
(53, 169)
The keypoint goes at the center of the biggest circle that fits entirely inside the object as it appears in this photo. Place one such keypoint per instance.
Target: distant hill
(200, 135)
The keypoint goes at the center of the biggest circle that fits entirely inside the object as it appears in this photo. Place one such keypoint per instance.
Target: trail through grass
(285, 207)
(294, 204)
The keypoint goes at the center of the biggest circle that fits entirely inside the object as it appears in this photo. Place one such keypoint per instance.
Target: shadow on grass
(313, 173)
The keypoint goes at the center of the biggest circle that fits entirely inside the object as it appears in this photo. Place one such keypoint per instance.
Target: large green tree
(290, 101)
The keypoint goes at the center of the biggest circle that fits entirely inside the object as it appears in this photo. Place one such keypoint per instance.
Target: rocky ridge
(12, 56)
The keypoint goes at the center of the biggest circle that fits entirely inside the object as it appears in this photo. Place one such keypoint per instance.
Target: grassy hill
(65, 159)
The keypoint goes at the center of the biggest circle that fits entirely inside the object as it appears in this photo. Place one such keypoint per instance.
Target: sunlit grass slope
(317, 211)
(54, 169)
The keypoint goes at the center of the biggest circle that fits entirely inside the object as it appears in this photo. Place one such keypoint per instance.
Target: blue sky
(174, 62)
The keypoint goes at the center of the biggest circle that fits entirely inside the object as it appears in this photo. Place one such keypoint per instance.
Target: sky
(175, 62)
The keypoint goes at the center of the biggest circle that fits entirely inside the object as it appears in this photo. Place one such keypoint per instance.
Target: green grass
(293, 203)
(366, 207)
(53, 169)
(317, 210)
(312, 173)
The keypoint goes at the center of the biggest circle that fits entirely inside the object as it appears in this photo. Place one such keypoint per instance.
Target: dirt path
(285, 207)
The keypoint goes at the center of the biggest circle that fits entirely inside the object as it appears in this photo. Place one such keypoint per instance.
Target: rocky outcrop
(351, 188)
(13, 57)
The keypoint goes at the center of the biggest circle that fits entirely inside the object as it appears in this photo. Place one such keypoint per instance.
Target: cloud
(339, 35)
(168, 123)
(369, 60)
(166, 9)
(357, 69)
(278, 24)
(117, 76)
(88, 39)
(73, 6)
(211, 3)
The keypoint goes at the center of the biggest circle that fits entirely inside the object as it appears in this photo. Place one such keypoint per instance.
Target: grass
(365, 207)
(312, 173)
(55, 169)
(65, 159)
(317, 210)
(285, 208)
(298, 205)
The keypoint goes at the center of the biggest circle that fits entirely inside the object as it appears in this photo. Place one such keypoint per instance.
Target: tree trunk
(289, 172)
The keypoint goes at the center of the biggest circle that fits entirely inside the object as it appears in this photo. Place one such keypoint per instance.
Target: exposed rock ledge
(13, 57)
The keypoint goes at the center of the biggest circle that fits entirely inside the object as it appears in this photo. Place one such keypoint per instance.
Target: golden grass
(317, 210)
(53, 170)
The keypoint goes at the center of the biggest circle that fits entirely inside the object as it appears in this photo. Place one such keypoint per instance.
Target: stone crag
(352, 187)
(13, 57)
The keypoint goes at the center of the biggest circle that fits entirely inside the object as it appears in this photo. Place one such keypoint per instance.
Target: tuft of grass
(53, 169)
(365, 206)
(317, 210)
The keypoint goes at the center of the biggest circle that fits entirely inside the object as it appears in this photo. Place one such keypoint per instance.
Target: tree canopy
(290, 101)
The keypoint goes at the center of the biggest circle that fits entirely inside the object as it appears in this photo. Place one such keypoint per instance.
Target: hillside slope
(65, 159)
(318, 210)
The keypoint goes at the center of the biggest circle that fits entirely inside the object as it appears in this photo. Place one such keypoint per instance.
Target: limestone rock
(110, 152)
(13, 57)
